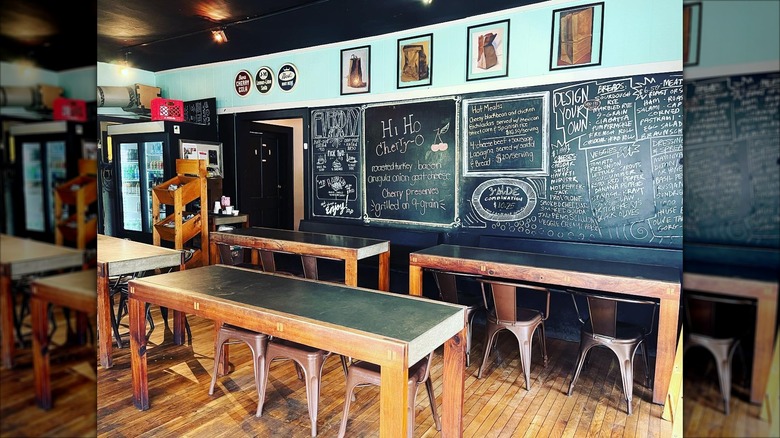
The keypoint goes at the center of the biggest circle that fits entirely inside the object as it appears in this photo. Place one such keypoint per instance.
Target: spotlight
(219, 36)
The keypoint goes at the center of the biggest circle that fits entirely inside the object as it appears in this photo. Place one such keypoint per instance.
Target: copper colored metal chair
(603, 329)
(710, 327)
(522, 322)
(365, 373)
(447, 283)
(257, 342)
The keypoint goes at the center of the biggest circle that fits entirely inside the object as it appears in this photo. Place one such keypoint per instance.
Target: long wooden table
(310, 246)
(122, 257)
(649, 281)
(394, 331)
(74, 290)
(758, 284)
(19, 257)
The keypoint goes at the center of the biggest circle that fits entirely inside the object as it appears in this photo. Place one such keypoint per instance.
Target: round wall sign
(243, 83)
(288, 77)
(264, 79)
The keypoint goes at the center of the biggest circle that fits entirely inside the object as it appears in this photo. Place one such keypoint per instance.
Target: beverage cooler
(46, 154)
(143, 156)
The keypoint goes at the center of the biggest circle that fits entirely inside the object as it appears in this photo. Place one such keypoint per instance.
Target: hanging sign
(264, 79)
(243, 83)
(288, 77)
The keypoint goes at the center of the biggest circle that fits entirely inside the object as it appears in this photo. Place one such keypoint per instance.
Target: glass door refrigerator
(144, 156)
(46, 154)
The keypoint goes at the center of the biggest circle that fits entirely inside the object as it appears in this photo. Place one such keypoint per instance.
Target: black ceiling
(164, 34)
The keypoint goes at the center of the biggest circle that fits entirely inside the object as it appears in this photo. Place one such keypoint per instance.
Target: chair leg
(217, 358)
(627, 372)
(432, 398)
(525, 358)
(258, 353)
(580, 361)
(543, 342)
(313, 390)
(648, 384)
(489, 337)
(351, 384)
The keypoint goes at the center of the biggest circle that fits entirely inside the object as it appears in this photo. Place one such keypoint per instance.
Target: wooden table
(310, 246)
(215, 220)
(744, 282)
(121, 257)
(74, 290)
(650, 281)
(388, 329)
(20, 257)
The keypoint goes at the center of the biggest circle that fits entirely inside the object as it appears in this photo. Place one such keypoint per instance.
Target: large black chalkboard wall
(335, 167)
(593, 161)
(732, 160)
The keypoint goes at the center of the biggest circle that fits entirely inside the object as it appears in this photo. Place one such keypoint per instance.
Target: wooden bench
(403, 241)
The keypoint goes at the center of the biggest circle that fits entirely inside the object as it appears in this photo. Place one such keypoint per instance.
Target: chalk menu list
(409, 162)
(732, 160)
(200, 111)
(615, 162)
(335, 146)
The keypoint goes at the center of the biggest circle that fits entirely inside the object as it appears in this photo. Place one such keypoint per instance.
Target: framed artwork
(577, 36)
(356, 70)
(488, 50)
(415, 61)
(691, 33)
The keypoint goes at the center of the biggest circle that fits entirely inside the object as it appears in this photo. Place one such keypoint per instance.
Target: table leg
(766, 309)
(40, 351)
(415, 280)
(178, 327)
(137, 314)
(393, 398)
(350, 272)
(7, 320)
(213, 253)
(453, 376)
(104, 319)
(665, 348)
(384, 271)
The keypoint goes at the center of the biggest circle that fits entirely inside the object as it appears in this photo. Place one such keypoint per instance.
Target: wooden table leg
(384, 271)
(665, 348)
(104, 319)
(6, 320)
(137, 314)
(415, 280)
(350, 272)
(40, 351)
(178, 327)
(766, 311)
(393, 398)
(453, 376)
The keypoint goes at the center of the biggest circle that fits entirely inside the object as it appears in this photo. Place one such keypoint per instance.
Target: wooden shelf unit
(191, 179)
(80, 193)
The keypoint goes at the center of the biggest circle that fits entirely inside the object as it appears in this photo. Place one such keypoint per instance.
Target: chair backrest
(447, 283)
(225, 254)
(603, 312)
(712, 315)
(505, 298)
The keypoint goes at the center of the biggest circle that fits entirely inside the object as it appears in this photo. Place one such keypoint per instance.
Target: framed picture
(356, 70)
(691, 33)
(577, 36)
(415, 61)
(488, 50)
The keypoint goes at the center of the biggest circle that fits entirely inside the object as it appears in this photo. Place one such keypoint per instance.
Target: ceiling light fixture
(125, 66)
(219, 36)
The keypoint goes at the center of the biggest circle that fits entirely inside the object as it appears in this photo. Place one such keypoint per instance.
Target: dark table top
(303, 237)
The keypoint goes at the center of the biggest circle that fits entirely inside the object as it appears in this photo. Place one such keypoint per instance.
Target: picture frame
(415, 61)
(356, 70)
(487, 50)
(691, 33)
(577, 36)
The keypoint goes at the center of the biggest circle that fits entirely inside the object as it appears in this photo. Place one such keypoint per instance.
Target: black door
(264, 171)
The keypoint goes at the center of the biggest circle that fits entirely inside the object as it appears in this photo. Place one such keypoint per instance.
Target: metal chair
(603, 329)
(447, 283)
(522, 322)
(711, 326)
(362, 373)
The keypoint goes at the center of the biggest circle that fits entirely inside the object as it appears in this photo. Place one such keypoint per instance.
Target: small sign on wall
(243, 83)
(288, 77)
(264, 79)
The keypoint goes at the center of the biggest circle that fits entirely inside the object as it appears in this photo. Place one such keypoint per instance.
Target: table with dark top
(311, 245)
(644, 280)
(74, 290)
(122, 257)
(391, 330)
(20, 257)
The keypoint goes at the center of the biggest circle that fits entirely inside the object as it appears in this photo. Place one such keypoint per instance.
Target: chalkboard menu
(335, 166)
(610, 171)
(201, 111)
(410, 155)
(732, 160)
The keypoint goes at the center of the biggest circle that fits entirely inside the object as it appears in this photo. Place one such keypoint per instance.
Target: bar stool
(257, 342)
